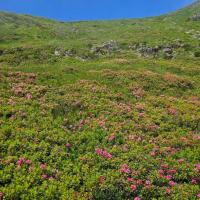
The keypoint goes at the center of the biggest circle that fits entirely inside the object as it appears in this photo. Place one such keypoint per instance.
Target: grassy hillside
(101, 110)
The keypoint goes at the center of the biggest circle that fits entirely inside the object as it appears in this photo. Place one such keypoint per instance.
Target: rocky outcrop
(195, 17)
(65, 53)
(105, 48)
(167, 50)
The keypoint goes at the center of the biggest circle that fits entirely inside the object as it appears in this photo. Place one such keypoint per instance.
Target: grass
(117, 126)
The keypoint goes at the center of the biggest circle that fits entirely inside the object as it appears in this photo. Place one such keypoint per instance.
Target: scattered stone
(69, 53)
(105, 48)
(66, 53)
(166, 51)
(147, 51)
(80, 58)
(57, 53)
(195, 17)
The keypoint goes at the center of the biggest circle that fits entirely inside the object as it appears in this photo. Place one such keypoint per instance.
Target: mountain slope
(17, 30)
(39, 29)
(100, 110)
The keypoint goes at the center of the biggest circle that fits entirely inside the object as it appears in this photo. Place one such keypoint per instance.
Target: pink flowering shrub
(133, 187)
(137, 198)
(124, 169)
(145, 123)
(42, 166)
(103, 153)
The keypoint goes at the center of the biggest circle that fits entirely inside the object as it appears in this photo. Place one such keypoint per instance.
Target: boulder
(69, 53)
(163, 50)
(146, 51)
(167, 50)
(57, 53)
(105, 48)
(195, 17)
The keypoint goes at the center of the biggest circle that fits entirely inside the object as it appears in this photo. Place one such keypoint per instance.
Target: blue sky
(75, 10)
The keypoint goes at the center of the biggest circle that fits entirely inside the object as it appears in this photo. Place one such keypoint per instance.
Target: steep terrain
(100, 109)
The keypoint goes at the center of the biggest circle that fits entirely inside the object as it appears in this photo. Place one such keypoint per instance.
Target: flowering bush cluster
(120, 134)
(103, 154)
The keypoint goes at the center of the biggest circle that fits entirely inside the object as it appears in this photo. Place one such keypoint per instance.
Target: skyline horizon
(148, 11)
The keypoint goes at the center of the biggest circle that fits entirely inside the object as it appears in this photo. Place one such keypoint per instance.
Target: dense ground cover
(117, 126)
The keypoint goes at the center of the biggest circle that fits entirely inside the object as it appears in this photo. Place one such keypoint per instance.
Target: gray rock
(69, 53)
(195, 17)
(105, 48)
(57, 53)
(146, 51)
(167, 50)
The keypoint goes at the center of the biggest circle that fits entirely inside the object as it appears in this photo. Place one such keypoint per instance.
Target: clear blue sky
(70, 10)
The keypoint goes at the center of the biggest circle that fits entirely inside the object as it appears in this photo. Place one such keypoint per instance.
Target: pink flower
(164, 166)
(29, 96)
(168, 177)
(42, 166)
(17, 89)
(103, 153)
(141, 114)
(20, 162)
(172, 183)
(194, 181)
(153, 153)
(147, 187)
(111, 137)
(133, 187)
(168, 190)
(44, 176)
(172, 111)
(82, 122)
(180, 161)
(139, 107)
(99, 151)
(147, 182)
(137, 198)
(124, 168)
(198, 196)
(28, 162)
(139, 182)
(171, 171)
(197, 167)
(198, 137)
(101, 124)
(160, 171)
(152, 127)
(107, 155)
(68, 145)
(129, 180)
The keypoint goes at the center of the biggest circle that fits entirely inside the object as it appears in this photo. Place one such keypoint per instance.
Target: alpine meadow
(100, 110)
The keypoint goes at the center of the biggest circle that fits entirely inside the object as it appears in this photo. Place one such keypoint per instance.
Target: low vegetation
(100, 110)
